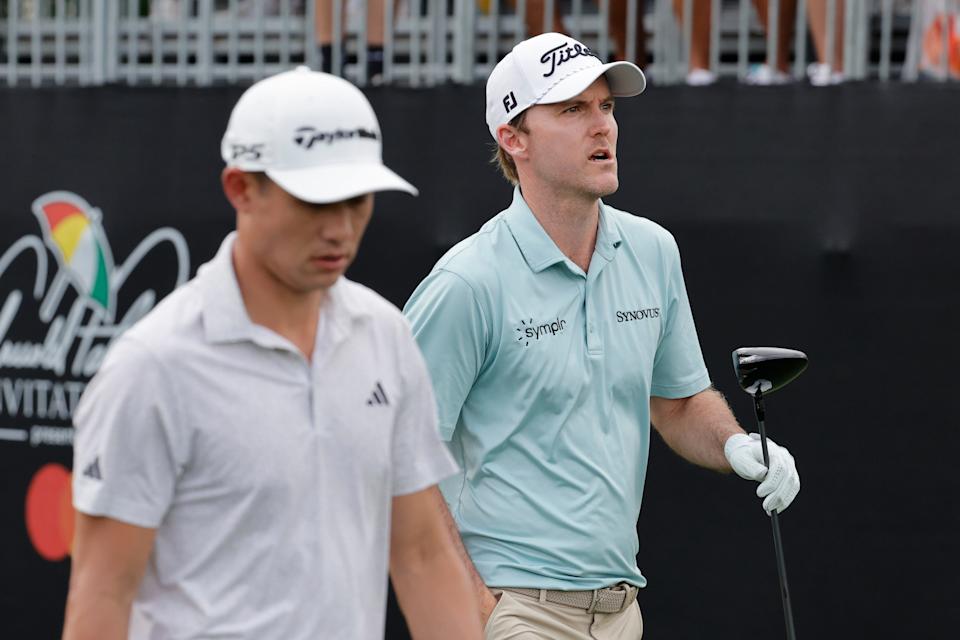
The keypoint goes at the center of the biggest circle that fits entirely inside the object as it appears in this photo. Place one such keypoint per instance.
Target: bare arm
(485, 598)
(432, 583)
(696, 427)
(109, 559)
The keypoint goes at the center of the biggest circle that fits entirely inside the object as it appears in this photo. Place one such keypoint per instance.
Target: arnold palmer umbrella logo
(77, 328)
(72, 230)
(57, 319)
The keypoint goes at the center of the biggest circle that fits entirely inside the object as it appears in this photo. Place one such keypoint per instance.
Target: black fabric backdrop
(825, 220)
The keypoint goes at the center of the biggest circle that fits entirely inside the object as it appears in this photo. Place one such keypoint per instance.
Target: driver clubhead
(767, 368)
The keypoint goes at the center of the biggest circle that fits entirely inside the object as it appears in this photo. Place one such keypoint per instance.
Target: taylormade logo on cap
(550, 68)
(312, 133)
(307, 136)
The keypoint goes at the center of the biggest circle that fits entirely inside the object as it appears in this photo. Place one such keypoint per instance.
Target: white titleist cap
(551, 68)
(313, 134)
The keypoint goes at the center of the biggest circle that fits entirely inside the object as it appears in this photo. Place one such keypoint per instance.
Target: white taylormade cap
(551, 68)
(313, 134)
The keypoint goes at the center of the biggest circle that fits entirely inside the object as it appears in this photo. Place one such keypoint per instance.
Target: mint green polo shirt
(543, 376)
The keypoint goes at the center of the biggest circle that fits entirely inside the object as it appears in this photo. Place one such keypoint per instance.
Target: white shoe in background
(701, 77)
(765, 75)
(821, 75)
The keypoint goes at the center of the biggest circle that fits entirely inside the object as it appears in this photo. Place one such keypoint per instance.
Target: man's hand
(780, 484)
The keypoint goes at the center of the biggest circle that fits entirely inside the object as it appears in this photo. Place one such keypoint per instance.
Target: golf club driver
(761, 371)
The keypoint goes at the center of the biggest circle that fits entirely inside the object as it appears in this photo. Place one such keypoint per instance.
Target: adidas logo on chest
(378, 396)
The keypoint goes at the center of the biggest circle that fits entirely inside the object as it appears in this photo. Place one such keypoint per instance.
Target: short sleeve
(449, 327)
(129, 445)
(419, 458)
(678, 368)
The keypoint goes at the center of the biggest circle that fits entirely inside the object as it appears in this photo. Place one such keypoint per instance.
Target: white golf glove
(780, 485)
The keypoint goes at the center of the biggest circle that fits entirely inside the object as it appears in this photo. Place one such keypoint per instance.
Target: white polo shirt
(268, 478)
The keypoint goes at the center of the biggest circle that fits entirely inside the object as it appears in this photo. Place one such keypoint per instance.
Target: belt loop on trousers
(594, 601)
(543, 596)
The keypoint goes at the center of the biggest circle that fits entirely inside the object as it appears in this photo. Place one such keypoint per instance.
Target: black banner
(823, 220)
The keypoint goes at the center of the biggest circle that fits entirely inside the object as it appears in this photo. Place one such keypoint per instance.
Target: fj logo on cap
(509, 102)
(564, 53)
(306, 137)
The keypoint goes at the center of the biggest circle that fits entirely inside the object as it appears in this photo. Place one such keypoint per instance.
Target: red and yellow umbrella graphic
(72, 230)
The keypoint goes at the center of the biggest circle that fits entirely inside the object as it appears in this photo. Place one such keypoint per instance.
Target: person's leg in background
(698, 72)
(375, 35)
(618, 30)
(375, 39)
(776, 71)
(533, 20)
(617, 25)
(825, 72)
(323, 28)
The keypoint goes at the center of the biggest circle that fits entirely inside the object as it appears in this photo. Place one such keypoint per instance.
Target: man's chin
(319, 282)
(328, 280)
(606, 188)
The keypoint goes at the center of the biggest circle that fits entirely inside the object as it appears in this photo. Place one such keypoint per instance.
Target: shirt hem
(116, 509)
(406, 486)
(681, 391)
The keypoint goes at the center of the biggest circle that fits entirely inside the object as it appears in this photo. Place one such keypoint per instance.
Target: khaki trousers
(520, 617)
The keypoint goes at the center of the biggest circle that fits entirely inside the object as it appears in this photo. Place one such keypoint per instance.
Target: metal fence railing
(426, 42)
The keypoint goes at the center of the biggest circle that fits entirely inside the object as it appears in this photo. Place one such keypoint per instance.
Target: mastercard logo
(49, 512)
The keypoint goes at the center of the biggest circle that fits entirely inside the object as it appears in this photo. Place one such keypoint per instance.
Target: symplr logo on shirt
(529, 331)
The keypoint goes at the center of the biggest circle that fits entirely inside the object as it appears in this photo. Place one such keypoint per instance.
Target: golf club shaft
(775, 520)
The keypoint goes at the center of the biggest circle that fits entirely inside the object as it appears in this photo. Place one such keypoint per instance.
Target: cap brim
(321, 185)
(625, 80)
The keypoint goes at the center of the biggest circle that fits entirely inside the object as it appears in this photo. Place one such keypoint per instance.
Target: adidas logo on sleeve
(93, 469)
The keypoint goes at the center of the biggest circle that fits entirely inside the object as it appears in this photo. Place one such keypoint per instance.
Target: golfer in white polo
(257, 452)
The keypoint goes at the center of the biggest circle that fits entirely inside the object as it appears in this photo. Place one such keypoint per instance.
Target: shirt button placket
(316, 401)
(594, 343)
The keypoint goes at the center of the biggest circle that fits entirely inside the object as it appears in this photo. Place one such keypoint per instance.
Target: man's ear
(513, 141)
(238, 186)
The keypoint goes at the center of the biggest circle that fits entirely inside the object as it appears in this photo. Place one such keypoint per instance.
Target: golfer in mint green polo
(554, 336)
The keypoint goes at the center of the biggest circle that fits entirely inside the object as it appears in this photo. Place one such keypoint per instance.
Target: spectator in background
(825, 72)
(616, 24)
(772, 72)
(172, 9)
(935, 18)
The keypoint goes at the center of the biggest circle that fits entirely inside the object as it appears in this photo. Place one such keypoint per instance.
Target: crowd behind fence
(427, 42)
